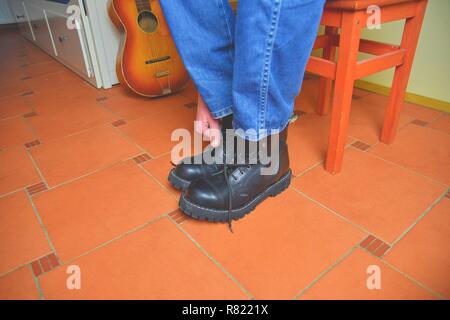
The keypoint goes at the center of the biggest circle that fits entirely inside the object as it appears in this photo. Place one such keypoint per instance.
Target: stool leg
(343, 89)
(325, 85)
(410, 38)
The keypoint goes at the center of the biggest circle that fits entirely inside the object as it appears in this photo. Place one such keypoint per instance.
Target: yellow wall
(431, 70)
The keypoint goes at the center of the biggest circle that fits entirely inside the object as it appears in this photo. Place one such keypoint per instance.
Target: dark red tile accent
(419, 123)
(27, 93)
(142, 158)
(32, 144)
(119, 123)
(30, 114)
(375, 246)
(356, 97)
(381, 250)
(36, 267)
(191, 105)
(361, 145)
(45, 263)
(367, 241)
(181, 219)
(178, 216)
(39, 187)
(174, 213)
(53, 260)
(299, 112)
(102, 99)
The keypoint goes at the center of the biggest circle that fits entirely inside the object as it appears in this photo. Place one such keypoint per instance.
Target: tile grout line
(141, 116)
(23, 265)
(116, 238)
(443, 115)
(309, 169)
(130, 140)
(325, 272)
(158, 182)
(347, 146)
(24, 189)
(222, 268)
(44, 229)
(408, 169)
(19, 115)
(37, 168)
(61, 137)
(425, 213)
(423, 286)
(161, 155)
(334, 212)
(37, 283)
(32, 129)
(86, 174)
(439, 131)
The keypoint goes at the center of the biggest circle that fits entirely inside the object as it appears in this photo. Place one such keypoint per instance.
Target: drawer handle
(63, 38)
(21, 17)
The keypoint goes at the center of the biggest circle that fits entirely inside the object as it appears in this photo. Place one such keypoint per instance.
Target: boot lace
(229, 170)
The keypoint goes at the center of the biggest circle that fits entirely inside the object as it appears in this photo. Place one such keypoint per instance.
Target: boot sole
(214, 215)
(177, 182)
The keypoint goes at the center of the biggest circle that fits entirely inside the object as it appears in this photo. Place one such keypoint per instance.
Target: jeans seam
(222, 112)
(230, 34)
(259, 135)
(268, 50)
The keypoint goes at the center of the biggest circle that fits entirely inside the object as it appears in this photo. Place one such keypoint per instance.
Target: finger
(200, 126)
(215, 137)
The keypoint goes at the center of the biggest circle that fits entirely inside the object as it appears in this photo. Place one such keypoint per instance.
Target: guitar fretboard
(143, 5)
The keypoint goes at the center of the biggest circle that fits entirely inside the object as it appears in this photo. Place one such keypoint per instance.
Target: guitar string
(162, 41)
(149, 53)
(144, 5)
(156, 36)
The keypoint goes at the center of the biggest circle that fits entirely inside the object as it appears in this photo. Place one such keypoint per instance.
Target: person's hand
(206, 125)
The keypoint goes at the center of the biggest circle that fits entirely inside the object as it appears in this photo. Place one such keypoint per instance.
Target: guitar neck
(143, 5)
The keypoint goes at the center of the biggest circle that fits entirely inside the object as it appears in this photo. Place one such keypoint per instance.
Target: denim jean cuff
(256, 136)
(222, 113)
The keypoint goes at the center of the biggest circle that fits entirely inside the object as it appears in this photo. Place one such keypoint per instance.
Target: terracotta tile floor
(83, 183)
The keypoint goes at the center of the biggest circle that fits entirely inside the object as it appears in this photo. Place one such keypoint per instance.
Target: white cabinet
(40, 27)
(22, 18)
(90, 49)
(6, 15)
(70, 44)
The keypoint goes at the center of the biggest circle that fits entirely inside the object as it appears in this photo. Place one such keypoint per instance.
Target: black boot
(193, 168)
(239, 188)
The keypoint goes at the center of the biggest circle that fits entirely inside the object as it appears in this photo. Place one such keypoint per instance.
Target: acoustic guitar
(148, 61)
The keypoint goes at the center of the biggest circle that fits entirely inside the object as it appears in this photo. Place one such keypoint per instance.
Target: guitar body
(148, 62)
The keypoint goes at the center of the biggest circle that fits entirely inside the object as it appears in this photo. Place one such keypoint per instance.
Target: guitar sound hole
(147, 21)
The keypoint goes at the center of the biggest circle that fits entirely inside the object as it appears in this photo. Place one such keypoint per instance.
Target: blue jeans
(250, 65)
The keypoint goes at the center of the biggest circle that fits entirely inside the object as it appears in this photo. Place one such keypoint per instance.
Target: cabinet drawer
(22, 18)
(70, 43)
(40, 28)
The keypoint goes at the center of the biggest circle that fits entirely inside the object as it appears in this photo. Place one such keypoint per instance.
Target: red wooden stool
(350, 16)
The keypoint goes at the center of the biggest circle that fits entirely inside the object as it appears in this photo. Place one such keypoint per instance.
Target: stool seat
(355, 5)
